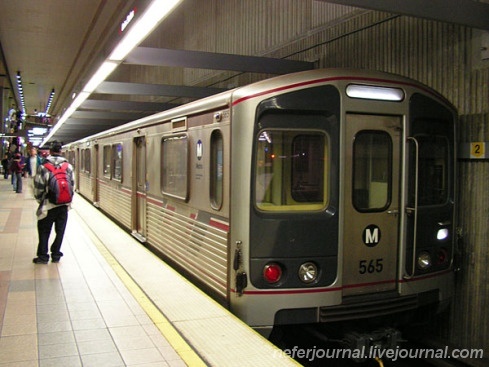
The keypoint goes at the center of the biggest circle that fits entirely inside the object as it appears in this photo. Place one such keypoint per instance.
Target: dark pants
(57, 216)
(18, 180)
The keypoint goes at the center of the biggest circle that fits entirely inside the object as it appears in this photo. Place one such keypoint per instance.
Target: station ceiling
(54, 45)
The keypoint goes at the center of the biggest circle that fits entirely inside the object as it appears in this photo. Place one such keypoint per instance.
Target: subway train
(315, 197)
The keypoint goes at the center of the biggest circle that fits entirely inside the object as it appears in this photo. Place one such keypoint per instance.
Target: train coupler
(366, 345)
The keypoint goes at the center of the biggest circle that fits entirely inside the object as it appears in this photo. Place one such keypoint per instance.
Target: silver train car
(314, 197)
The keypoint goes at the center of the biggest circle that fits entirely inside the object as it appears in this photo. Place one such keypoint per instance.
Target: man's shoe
(38, 260)
(55, 260)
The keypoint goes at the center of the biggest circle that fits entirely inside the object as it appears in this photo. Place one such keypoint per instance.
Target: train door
(95, 182)
(139, 189)
(371, 220)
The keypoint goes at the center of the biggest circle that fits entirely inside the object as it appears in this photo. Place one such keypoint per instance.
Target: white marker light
(374, 92)
(442, 234)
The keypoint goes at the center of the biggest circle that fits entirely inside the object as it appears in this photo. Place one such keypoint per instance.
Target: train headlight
(308, 272)
(442, 234)
(272, 272)
(424, 260)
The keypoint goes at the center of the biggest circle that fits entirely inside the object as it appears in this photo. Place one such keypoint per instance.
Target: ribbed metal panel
(85, 183)
(199, 248)
(117, 204)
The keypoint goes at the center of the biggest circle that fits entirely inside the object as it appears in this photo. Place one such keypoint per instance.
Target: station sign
(473, 150)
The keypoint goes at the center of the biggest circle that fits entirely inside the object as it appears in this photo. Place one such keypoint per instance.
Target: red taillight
(442, 256)
(272, 272)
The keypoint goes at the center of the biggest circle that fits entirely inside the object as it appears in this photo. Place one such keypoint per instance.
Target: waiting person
(49, 213)
(5, 165)
(32, 163)
(17, 168)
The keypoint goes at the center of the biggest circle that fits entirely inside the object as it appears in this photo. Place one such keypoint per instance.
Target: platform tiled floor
(74, 313)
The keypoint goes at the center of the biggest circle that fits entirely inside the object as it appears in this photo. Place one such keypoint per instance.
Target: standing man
(17, 168)
(32, 162)
(5, 165)
(50, 212)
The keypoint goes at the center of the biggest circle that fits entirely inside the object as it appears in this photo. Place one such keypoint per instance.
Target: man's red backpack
(60, 188)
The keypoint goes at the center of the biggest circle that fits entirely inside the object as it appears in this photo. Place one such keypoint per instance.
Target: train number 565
(370, 266)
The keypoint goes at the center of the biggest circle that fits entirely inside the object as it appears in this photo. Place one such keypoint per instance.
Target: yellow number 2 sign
(477, 150)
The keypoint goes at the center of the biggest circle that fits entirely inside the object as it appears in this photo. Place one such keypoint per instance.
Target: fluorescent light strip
(100, 75)
(153, 15)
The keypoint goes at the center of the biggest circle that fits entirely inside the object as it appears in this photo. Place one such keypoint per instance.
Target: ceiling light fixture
(145, 24)
(50, 101)
(21, 92)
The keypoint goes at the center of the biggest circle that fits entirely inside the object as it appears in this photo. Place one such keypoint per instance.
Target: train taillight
(272, 273)
(442, 256)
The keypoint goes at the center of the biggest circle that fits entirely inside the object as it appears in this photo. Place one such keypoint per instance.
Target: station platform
(108, 302)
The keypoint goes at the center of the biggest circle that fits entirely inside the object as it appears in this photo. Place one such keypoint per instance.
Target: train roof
(269, 86)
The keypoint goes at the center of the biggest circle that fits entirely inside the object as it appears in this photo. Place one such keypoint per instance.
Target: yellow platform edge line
(178, 343)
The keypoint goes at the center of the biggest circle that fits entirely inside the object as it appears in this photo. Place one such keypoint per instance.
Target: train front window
(372, 159)
(290, 173)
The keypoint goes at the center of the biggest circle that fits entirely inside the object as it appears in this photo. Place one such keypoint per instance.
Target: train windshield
(291, 170)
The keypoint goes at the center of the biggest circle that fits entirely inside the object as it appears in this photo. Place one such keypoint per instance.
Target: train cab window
(291, 170)
(216, 170)
(372, 161)
(174, 166)
(117, 159)
(107, 160)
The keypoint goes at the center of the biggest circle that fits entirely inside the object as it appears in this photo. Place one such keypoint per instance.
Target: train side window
(82, 160)
(216, 168)
(107, 161)
(174, 166)
(86, 159)
(291, 170)
(71, 158)
(117, 159)
(372, 161)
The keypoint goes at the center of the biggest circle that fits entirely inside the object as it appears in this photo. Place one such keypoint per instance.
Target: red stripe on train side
(336, 289)
(219, 225)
